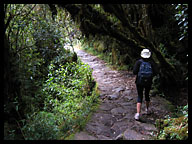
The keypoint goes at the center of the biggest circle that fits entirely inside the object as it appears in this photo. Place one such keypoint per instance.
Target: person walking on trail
(145, 69)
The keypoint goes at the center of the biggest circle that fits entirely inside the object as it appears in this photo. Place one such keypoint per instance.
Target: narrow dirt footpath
(115, 117)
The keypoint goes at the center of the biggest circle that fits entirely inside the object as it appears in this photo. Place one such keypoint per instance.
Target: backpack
(145, 73)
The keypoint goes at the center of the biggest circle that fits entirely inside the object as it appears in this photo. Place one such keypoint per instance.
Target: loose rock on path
(115, 117)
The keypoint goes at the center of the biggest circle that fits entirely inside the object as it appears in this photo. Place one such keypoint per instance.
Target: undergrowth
(69, 95)
(175, 127)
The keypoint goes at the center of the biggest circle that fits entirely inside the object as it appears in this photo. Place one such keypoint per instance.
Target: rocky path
(115, 117)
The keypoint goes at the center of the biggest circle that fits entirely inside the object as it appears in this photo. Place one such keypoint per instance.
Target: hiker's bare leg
(138, 107)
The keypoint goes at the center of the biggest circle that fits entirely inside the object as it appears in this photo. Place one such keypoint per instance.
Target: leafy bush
(40, 126)
(174, 128)
(68, 96)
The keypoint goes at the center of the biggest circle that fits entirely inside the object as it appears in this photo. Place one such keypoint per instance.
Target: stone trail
(115, 117)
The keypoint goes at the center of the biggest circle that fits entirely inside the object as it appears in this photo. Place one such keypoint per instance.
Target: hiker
(145, 69)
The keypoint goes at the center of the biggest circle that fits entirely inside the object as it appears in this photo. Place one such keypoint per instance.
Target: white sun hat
(145, 53)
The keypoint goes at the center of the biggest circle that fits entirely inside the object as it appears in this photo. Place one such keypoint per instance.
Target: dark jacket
(137, 66)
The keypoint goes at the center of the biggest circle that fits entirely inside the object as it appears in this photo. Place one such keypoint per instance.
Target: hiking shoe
(137, 116)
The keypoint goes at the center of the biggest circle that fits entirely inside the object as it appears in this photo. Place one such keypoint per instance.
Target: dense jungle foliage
(49, 93)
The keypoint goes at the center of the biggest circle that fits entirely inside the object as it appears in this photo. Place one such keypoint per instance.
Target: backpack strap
(141, 60)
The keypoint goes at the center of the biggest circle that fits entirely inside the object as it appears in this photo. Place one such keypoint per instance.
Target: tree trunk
(6, 70)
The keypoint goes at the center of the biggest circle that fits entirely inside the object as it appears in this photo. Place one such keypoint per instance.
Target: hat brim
(145, 56)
